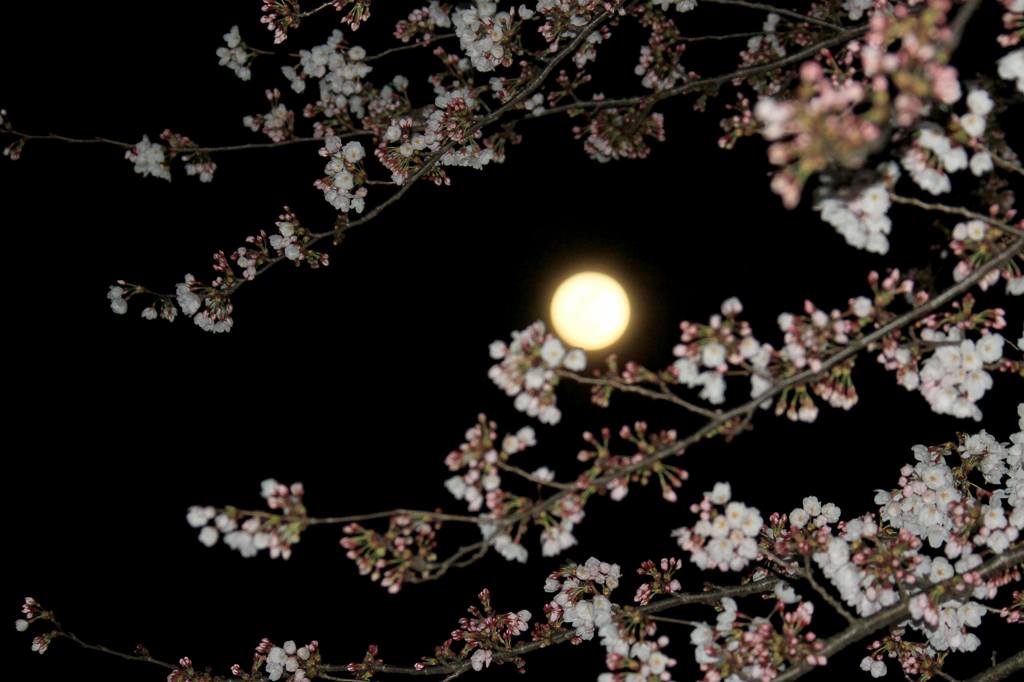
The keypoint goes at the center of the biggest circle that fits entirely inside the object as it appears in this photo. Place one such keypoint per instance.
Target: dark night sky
(359, 378)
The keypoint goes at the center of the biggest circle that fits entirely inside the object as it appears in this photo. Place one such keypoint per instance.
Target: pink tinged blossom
(945, 84)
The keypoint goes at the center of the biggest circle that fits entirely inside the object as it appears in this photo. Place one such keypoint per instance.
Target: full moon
(590, 310)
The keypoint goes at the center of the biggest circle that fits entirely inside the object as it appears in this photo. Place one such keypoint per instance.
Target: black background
(359, 378)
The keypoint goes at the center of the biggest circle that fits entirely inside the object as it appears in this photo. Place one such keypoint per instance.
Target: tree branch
(808, 575)
(713, 425)
(336, 520)
(1003, 670)
(705, 83)
(774, 9)
(184, 150)
(619, 385)
(901, 611)
(956, 210)
(406, 48)
(563, 636)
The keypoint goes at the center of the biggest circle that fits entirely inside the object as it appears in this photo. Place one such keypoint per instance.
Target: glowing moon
(590, 310)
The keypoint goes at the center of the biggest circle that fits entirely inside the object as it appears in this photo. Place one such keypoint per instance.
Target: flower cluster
(118, 304)
(248, 533)
(527, 370)
(613, 134)
(422, 23)
(192, 295)
(450, 122)
(235, 55)
(278, 124)
(340, 72)
(33, 612)
(974, 122)
(820, 127)
(483, 633)
(558, 537)
(660, 67)
(862, 220)
(972, 241)
(865, 568)
(480, 457)
(707, 351)
(634, 658)
(290, 241)
(725, 536)
(149, 159)
(581, 596)
(195, 160)
(953, 379)
(483, 32)
(744, 647)
(405, 551)
(603, 461)
(345, 175)
(663, 580)
(931, 156)
(288, 662)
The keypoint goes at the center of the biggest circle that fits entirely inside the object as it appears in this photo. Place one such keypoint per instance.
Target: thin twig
(620, 385)
(775, 9)
(808, 575)
(112, 652)
(405, 48)
(511, 468)
(956, 210)
(185, 150)
(335, 520)
(998, 160)
(961, 20)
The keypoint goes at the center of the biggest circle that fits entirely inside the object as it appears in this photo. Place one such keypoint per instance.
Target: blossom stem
(511, 468)
(774, 9)
(956, 210)
(808, 575)
(405, 48)
(620, 385)
(112, 652)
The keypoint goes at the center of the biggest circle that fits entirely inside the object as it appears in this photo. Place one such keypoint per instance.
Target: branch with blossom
(863, 109)
(919, 569)
(927, 347)
(411, 141)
